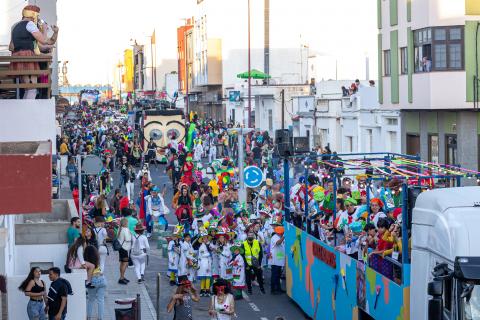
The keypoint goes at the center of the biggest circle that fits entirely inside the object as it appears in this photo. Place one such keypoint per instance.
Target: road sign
(92, 165)
(253, 176)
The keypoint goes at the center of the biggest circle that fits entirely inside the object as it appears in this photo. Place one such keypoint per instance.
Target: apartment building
(428, 69)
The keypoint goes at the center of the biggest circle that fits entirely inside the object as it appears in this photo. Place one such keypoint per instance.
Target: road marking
(263, 318)
(254, 307)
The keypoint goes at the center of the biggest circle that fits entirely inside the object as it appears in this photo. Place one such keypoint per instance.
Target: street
(258, 306)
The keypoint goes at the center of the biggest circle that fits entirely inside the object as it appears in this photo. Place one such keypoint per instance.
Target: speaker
(284, 142)
(301, 145)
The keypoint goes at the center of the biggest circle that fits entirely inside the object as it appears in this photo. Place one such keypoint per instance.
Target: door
(413, 144)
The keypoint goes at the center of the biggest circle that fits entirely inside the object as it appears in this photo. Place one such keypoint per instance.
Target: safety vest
(251, 251)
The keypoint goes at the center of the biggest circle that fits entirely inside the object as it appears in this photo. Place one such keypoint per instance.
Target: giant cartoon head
(161, 125)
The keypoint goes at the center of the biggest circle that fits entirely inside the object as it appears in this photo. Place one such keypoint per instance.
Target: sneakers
(123, 281)
(172, 283)
(126, 280)
(139, 281)
(143, 278)
(202, 293)
(149, 235)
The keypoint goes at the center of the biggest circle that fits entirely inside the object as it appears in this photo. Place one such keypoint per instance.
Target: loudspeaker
(301, 144)
(284, 143)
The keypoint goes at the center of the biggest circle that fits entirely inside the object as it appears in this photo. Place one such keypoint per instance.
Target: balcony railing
(10, 80)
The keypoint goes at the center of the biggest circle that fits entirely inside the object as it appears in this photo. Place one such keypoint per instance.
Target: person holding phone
(181, 301)
(222, 305)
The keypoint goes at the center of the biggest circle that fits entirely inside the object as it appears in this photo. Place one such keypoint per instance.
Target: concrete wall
(76, 303)
(28, 120)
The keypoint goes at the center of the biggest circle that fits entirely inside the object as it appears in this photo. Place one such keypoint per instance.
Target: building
(182, 54)
(347, 124)
(427, 70)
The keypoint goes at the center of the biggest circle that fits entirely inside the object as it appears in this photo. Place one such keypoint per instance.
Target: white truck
(445, 256)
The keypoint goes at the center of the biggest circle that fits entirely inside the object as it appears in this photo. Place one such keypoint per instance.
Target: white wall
(25, 254)
(76, 303)
(28, 120)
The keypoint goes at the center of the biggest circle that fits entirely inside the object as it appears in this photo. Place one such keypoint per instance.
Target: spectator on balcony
(426, 64)
(25, 38)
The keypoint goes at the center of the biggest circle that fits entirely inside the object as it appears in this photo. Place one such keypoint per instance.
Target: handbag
(116, 245)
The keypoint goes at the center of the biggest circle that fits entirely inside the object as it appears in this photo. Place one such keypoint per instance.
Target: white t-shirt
(277, 251)
(101, 234)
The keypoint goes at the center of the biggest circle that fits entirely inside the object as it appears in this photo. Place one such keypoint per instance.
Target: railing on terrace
(11, 85)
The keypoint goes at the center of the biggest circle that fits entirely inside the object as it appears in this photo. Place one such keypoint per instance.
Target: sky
(94, 34)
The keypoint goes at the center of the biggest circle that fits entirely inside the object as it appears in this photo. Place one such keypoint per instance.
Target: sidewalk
(118, 291)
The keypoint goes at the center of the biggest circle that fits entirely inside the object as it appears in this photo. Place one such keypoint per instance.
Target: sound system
(301, 144)
(284, 142)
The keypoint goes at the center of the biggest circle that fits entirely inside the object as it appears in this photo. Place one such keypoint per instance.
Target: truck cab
(445, 256)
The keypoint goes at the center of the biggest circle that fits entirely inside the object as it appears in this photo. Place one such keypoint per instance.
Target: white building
(347, 124)
(427, 70)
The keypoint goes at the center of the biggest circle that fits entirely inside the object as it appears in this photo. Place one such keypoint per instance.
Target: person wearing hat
(155, 209)
(238, 269)
(224, 254)
(139, 252)
(174, 253)
(376, 211)
(277, 259)
(181, 301)
(204, 273)
(253, 255)
(101, 235)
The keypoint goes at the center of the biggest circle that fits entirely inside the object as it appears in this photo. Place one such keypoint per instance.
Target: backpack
(116, 245)
(136, 249)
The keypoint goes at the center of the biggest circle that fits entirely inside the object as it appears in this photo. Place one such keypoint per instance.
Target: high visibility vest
(251, 251)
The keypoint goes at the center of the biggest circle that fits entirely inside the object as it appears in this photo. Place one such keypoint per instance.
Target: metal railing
(10, 80)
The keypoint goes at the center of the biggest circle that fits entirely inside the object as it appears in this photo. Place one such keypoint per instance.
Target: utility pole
(249, 74)
(266, 49)
(282, 93)
(119, 66)
(186, 75)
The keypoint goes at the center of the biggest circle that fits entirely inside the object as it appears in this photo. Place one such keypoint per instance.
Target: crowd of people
(366, 227)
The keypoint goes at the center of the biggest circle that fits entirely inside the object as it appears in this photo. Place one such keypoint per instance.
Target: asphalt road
(258, 306)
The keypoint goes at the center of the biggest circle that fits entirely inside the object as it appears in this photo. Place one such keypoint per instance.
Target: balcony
(10, 85)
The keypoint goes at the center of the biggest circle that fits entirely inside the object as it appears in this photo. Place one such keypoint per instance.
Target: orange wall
(181, 31)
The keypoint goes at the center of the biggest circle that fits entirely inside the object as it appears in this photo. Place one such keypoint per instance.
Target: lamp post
(120, 66)
(249, 74)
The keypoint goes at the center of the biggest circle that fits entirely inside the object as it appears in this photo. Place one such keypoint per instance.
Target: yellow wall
(128, 71)
(472, 7)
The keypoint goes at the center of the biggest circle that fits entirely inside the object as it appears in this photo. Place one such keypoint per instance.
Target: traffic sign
(253, 176)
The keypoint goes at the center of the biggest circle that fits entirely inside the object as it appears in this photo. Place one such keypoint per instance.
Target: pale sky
(94, 34)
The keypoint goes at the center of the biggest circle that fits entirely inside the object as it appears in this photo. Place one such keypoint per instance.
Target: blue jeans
(35, 310)
(96, 295)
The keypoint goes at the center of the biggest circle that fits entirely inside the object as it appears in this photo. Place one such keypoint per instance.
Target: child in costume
(224, 254)
(174, 254)
(204, 273)
(238, 270)
(187, 258)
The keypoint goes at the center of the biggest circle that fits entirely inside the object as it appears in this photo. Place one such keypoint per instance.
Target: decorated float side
(323, 277)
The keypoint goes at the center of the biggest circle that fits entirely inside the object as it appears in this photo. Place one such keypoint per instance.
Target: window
(404, 60)
(348, 144)
(413, 144)
(368, 140)
(392, 141)
(433, 155)
(392, 121)
(451, 149)
(443, 51)
(386, 62)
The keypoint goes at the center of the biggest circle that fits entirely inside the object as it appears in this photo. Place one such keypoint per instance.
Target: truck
(438, 279)
(445, 271)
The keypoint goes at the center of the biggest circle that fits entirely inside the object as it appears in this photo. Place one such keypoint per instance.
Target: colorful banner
(328, 284)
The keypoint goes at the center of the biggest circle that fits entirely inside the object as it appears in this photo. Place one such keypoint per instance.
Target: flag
(153, 37)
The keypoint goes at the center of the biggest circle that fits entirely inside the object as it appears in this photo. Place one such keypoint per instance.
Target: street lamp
(242, 192)
(120, 66)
